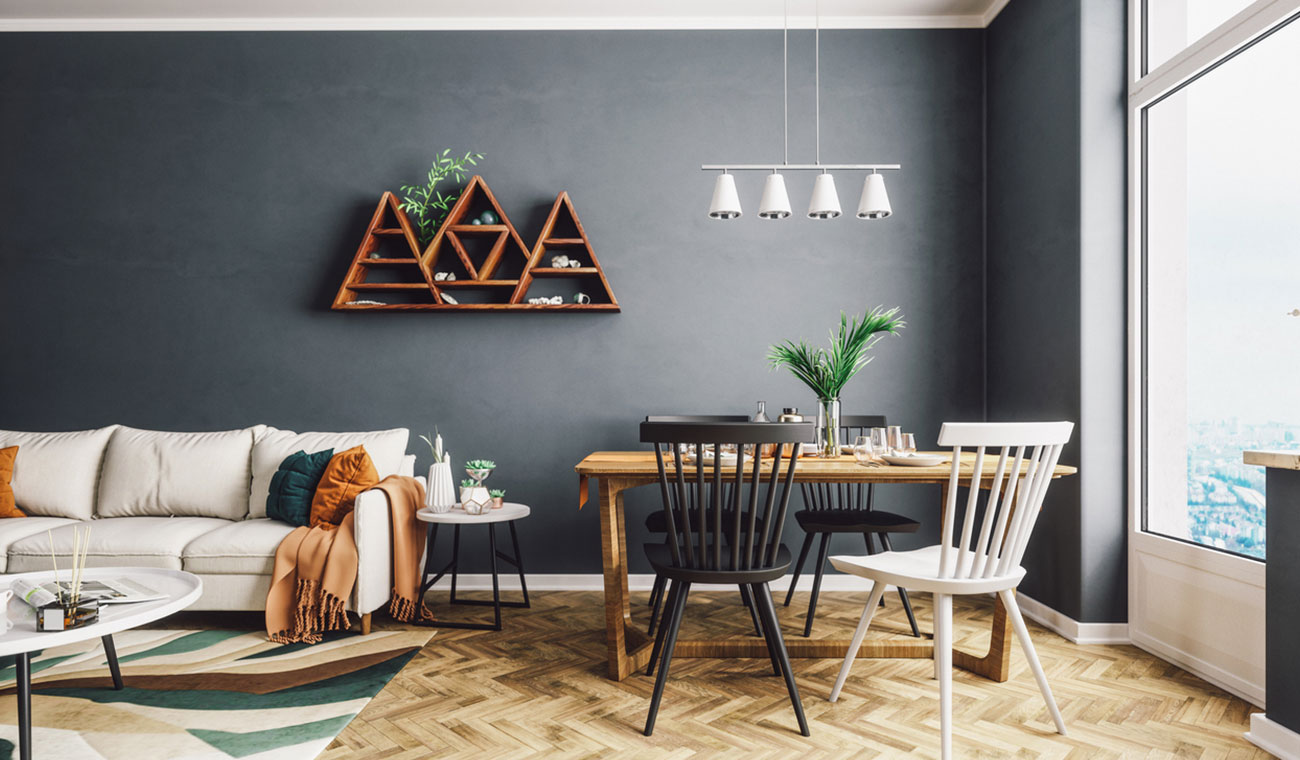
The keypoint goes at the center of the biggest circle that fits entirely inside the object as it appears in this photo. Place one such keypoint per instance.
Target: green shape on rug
(360, 684)
(7, 749)
(253, 742)
(188, 643)
(9, 672)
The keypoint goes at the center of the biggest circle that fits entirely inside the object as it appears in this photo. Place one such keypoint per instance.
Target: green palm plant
(827, 371)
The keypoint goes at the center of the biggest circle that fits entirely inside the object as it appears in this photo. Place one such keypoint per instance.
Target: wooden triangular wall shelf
(493, 269)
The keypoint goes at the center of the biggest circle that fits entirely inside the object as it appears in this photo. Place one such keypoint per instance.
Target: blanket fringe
(403, 609)
(318, 611)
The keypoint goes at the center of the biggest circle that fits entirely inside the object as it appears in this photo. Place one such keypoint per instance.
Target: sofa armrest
(374, 551)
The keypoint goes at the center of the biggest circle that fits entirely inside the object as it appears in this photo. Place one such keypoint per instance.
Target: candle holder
(64, 616)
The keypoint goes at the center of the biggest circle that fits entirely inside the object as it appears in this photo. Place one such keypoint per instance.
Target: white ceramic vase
(440, 496)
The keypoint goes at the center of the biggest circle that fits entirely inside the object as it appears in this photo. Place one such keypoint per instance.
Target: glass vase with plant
(827, 371)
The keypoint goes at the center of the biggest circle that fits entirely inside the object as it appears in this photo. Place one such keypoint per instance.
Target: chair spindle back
(1027, 453)
(707, 527)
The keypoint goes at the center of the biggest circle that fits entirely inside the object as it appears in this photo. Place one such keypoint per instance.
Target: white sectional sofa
(186, 501)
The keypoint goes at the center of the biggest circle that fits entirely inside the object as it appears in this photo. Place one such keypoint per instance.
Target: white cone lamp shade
(775, 203)
(726, 203)
(825, 202)
(875, 200)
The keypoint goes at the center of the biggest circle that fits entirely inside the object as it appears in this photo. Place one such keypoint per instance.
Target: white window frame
(1154, 561)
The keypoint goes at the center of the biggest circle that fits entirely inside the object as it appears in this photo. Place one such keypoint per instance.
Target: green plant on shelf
(497, 493)
(426, 203)
(480, 464)
(469, 483)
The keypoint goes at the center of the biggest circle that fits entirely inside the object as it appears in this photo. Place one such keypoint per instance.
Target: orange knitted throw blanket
(316, 568)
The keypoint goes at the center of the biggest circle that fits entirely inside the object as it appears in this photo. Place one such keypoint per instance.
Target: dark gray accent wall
(1056, 253)
(177, 210)
(1282, 589)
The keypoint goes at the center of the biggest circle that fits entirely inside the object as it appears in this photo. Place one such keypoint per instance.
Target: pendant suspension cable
(785, 77)
(817, 82)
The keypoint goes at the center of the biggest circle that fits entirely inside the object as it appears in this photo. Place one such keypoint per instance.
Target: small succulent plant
(480, 464)
(497, 493)
(468, 483)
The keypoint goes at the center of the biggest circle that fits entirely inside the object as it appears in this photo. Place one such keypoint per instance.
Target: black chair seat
(854, 521)
(661, 559)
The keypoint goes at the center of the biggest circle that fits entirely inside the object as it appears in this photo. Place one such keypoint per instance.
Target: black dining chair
(656, 522)
(832, 508)
(711, 539)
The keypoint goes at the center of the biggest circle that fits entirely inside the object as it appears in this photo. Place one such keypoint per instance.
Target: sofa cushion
(13, 530)
(155, 473)
(8, 507)
(294, 485)
(242, 548)
(385, 447)
(116, 542)
(348, 474)
(55, 474)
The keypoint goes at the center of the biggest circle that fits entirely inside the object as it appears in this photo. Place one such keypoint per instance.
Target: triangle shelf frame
(562, 210)
(388, 220)
(448, 241)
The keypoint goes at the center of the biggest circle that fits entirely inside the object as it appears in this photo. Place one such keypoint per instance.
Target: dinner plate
(728, 460)
(917, 460)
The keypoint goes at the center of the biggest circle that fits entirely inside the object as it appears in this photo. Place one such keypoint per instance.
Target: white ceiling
(189, 15)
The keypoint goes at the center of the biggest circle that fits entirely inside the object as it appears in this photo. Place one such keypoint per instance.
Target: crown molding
(289, 15)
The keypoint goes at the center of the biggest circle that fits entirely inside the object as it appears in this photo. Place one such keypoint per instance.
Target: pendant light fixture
(825, 202)
(726, 201)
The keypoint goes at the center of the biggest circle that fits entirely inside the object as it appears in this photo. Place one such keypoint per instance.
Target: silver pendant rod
(797, 167)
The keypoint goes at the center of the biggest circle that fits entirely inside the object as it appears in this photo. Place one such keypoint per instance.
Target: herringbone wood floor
(538, 688)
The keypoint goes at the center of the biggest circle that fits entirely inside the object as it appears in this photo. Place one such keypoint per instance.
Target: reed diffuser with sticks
(68, 610)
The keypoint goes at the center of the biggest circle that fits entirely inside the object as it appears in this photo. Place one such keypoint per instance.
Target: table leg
(23, 668)
(496, 584)
(996, 663)
(110, 653)
(613, 559)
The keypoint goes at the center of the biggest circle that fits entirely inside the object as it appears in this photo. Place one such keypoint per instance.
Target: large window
(1214, 320)
(1222, 278)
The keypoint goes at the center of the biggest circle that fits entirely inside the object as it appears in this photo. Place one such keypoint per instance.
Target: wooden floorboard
(538, 689)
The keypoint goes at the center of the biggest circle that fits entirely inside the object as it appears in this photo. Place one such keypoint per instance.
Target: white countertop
(1282, 460)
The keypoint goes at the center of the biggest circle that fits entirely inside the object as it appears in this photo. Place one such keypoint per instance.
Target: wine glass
(894, 436)
(879, 442)
(863, 450)
(909, 444)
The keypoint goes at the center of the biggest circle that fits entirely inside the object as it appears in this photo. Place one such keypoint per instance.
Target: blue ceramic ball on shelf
(489, 217)
(476, 222)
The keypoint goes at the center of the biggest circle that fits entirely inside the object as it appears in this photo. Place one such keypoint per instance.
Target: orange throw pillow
(348, 474)
(8, 507)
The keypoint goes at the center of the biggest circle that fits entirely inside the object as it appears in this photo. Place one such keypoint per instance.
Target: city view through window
(1223, 295)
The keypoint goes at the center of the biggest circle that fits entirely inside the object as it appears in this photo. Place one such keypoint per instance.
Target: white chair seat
(918, 570)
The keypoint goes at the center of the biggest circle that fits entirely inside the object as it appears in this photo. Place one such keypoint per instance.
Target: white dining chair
(987, 560)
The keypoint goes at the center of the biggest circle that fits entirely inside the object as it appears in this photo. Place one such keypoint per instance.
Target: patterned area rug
(201, 694)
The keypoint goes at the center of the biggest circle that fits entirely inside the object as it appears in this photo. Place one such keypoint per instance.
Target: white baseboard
(1273, 737)
(1068, 627)
(1229, 682)
(635, 582)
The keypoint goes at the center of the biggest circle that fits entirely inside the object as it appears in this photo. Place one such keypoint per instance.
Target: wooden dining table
(628, 647)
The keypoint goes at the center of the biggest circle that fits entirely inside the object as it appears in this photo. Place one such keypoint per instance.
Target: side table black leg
(110, 652)
(519, 561)
(430, 540)
(496, 586)
(23, 668)
(455, 559)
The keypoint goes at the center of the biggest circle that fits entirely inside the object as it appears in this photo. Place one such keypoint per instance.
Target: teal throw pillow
(294, 485)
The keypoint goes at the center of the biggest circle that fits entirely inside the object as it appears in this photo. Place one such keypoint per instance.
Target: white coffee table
(508, 513)
(181, 588)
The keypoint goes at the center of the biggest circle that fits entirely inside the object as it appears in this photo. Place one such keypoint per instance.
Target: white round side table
(181, 590)
(508, 513)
